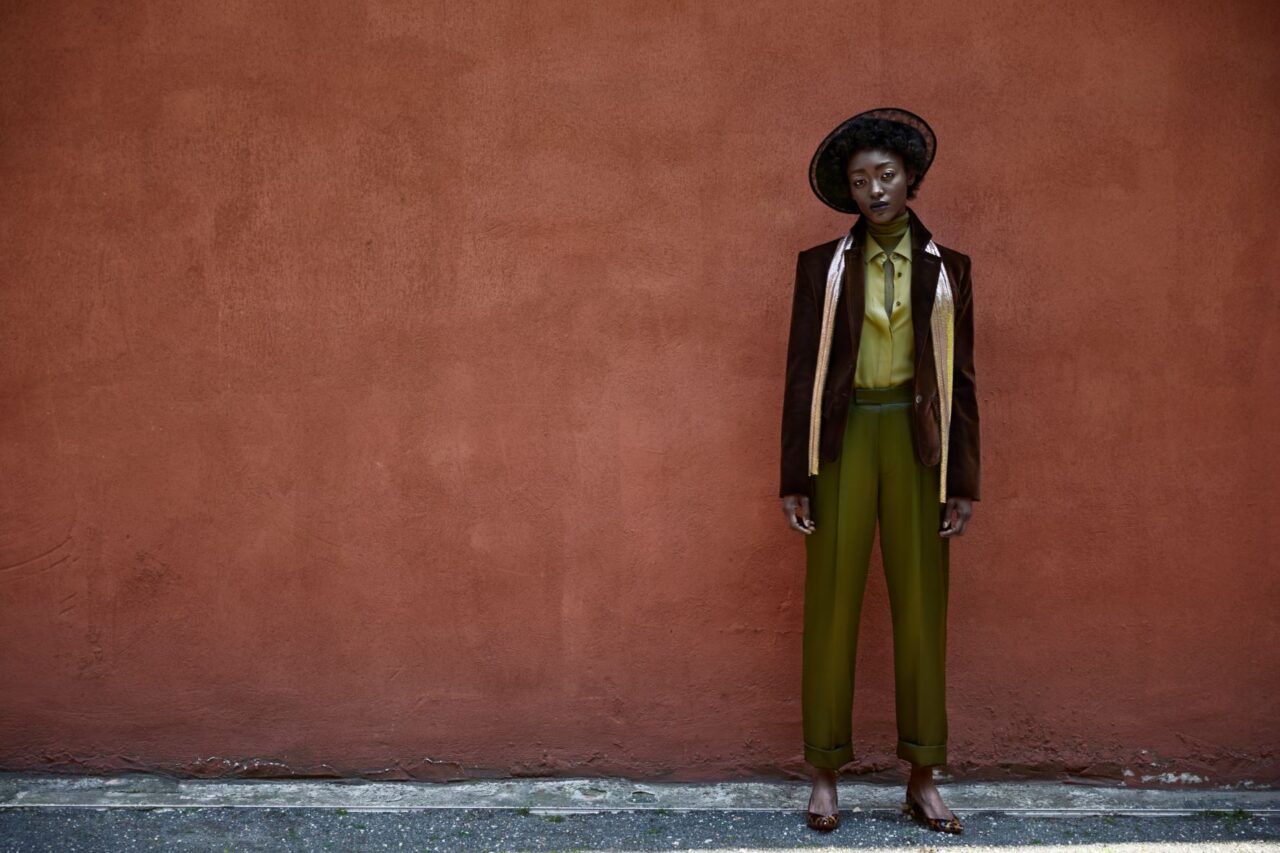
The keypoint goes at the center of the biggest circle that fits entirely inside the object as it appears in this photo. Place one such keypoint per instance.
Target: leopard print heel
(822, 822)
(937, 824)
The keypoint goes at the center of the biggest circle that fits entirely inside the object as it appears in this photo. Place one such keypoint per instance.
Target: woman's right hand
(796, 509)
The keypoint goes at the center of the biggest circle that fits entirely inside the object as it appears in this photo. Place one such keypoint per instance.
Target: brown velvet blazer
(802, 354)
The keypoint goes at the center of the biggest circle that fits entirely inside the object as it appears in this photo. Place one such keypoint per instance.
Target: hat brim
(827, 170)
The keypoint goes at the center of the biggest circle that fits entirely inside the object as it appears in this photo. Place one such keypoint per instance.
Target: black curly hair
(881, 133)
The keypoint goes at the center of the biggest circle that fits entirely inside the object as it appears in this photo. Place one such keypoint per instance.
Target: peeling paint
(1176, 778)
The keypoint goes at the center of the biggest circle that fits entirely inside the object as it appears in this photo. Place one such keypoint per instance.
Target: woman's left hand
(955, 516)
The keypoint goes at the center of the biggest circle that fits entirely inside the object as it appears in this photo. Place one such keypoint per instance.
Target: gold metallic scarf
(942, 327)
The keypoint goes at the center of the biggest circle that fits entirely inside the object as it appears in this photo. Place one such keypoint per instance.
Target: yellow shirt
(887, 348)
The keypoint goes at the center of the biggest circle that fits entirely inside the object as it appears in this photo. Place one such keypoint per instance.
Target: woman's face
(878, 182)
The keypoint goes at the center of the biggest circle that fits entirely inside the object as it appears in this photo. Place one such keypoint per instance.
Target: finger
(961, 521)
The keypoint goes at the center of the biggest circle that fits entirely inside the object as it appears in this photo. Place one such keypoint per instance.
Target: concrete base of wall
(605, 795)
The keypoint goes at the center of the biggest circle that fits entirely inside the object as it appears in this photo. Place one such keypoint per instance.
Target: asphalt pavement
(139, 812)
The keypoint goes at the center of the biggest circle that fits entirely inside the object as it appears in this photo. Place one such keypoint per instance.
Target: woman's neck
(887, 234)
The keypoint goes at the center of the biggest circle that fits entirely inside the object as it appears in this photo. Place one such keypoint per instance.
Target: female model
(879, 421)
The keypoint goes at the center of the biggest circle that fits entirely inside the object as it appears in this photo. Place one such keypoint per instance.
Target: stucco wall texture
(393, 388)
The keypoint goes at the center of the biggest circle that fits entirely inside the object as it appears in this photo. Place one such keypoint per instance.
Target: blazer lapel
(854, 285)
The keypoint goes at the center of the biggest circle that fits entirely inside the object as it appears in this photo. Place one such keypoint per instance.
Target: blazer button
(918, 398)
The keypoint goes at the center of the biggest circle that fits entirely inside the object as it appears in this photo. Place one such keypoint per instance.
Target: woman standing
(879, 422)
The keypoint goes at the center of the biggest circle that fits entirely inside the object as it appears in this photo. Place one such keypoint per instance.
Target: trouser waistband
(903, 393)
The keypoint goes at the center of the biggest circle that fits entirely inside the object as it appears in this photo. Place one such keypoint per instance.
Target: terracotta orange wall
(393, 388)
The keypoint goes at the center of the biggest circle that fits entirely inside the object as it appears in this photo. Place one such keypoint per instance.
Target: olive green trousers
(876, 475)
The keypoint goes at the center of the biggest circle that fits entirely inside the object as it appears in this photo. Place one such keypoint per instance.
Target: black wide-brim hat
(827, 168)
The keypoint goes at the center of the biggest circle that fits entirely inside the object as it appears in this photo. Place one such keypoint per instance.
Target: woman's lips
(880, 206)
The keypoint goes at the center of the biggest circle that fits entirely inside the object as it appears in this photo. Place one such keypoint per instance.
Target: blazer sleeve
(963, 463)
(802, 354)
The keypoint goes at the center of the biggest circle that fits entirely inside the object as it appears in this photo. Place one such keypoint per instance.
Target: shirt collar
(871, 248)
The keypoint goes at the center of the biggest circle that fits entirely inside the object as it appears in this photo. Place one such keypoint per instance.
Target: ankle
(921, 777)
(824, 775)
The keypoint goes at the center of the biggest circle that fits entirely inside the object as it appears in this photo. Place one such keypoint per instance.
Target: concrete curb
(137, 791)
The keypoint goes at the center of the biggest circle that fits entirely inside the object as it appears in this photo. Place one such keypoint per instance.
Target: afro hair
(886, 135)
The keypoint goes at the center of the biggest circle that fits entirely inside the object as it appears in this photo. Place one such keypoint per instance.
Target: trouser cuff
(830, 759)
(922, 755)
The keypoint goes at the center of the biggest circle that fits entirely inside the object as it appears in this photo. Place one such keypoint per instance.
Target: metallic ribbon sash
(942, 326)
